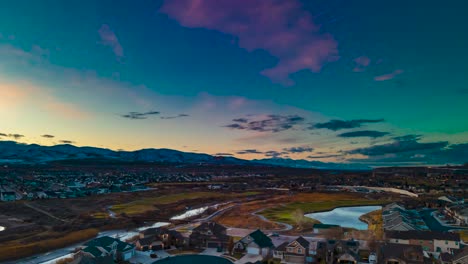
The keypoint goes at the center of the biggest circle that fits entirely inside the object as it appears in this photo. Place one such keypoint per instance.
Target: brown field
(16, 249)
(68, 221)
(288, 208)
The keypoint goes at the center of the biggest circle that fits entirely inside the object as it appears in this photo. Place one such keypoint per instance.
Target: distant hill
(312, 164)
(14, 152)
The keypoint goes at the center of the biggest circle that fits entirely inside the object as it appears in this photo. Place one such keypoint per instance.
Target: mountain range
(14, 152)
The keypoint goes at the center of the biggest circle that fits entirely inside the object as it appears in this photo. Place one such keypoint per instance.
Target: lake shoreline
(346, 216)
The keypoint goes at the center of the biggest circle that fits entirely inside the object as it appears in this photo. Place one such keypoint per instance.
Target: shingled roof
(423, 235)
(261, 239)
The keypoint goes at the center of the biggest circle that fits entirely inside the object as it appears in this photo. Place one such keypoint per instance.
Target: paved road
(287, 227)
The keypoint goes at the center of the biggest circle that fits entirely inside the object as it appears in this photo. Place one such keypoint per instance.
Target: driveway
(249, 258)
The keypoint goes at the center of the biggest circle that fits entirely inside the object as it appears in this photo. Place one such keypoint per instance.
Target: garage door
(127, 255)
(252, 250)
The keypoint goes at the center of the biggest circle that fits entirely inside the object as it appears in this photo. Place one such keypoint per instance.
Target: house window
(446, 242)
(299, 250)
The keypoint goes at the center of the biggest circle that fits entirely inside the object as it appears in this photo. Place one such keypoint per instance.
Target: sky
(375, 82)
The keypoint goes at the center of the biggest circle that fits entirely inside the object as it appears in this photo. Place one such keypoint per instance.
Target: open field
(286, 209)
(58, 223)
(151, 203)
(285, 213)
(375, 222)
(16, 249)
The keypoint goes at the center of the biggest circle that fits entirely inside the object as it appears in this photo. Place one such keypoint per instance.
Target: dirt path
(44, 212)
(287, 227)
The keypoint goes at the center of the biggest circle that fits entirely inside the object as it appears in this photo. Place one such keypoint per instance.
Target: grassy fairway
(151, 203)
(314, 203)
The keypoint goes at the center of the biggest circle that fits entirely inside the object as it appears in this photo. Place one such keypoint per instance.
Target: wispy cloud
(47, 136)
(249, 151)
(324, 156)
(300, 149)
(282, 28)
(399, 146)
(174, 117)
(344, 124)
(15, 136)
(388, 76)
(275, 154)
(361, 63)
(108, 38)
(269, 123)
(139, 115)
(67, 141)
(364, 133)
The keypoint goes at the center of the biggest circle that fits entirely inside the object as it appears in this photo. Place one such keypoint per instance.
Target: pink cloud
(362, 63)
(388, 76)
(108, 38)
(281, 28)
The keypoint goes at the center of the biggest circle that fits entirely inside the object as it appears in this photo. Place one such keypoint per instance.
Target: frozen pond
(1, 228)
(345, 216)
(190, 213)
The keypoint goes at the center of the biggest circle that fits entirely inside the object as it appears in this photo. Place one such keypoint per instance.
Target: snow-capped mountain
(14, 152)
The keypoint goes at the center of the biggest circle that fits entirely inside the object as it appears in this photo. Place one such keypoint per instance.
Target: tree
(299, 218)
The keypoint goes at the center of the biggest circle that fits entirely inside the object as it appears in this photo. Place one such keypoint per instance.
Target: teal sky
(249, 78)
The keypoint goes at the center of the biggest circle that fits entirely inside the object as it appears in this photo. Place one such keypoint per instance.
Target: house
(459, 213)
(149, 243)
(457, 257)
(401, 254)
(431, 241)
(7, 196)
(82, 258)
(452, 199)
(396, 217)
(108, 246)
(256, 243)
(209, 235)
(339, 251)
(167, 237)
(293, 252)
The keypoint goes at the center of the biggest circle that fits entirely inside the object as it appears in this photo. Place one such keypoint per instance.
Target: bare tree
(299, 218)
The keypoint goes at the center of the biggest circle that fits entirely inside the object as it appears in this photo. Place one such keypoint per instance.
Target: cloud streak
(47, 136)
(399, 146)
(108, 38)
(174, 117)
(249, 151)
(282, 28)
(269, 123)
(388, 76)
(362, 63)
(342, 124)
(299, 149)
(67, 141)
(139, 115)
(363, 133)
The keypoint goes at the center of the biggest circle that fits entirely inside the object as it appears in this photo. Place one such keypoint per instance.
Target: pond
(345, 216)
(193, 259)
